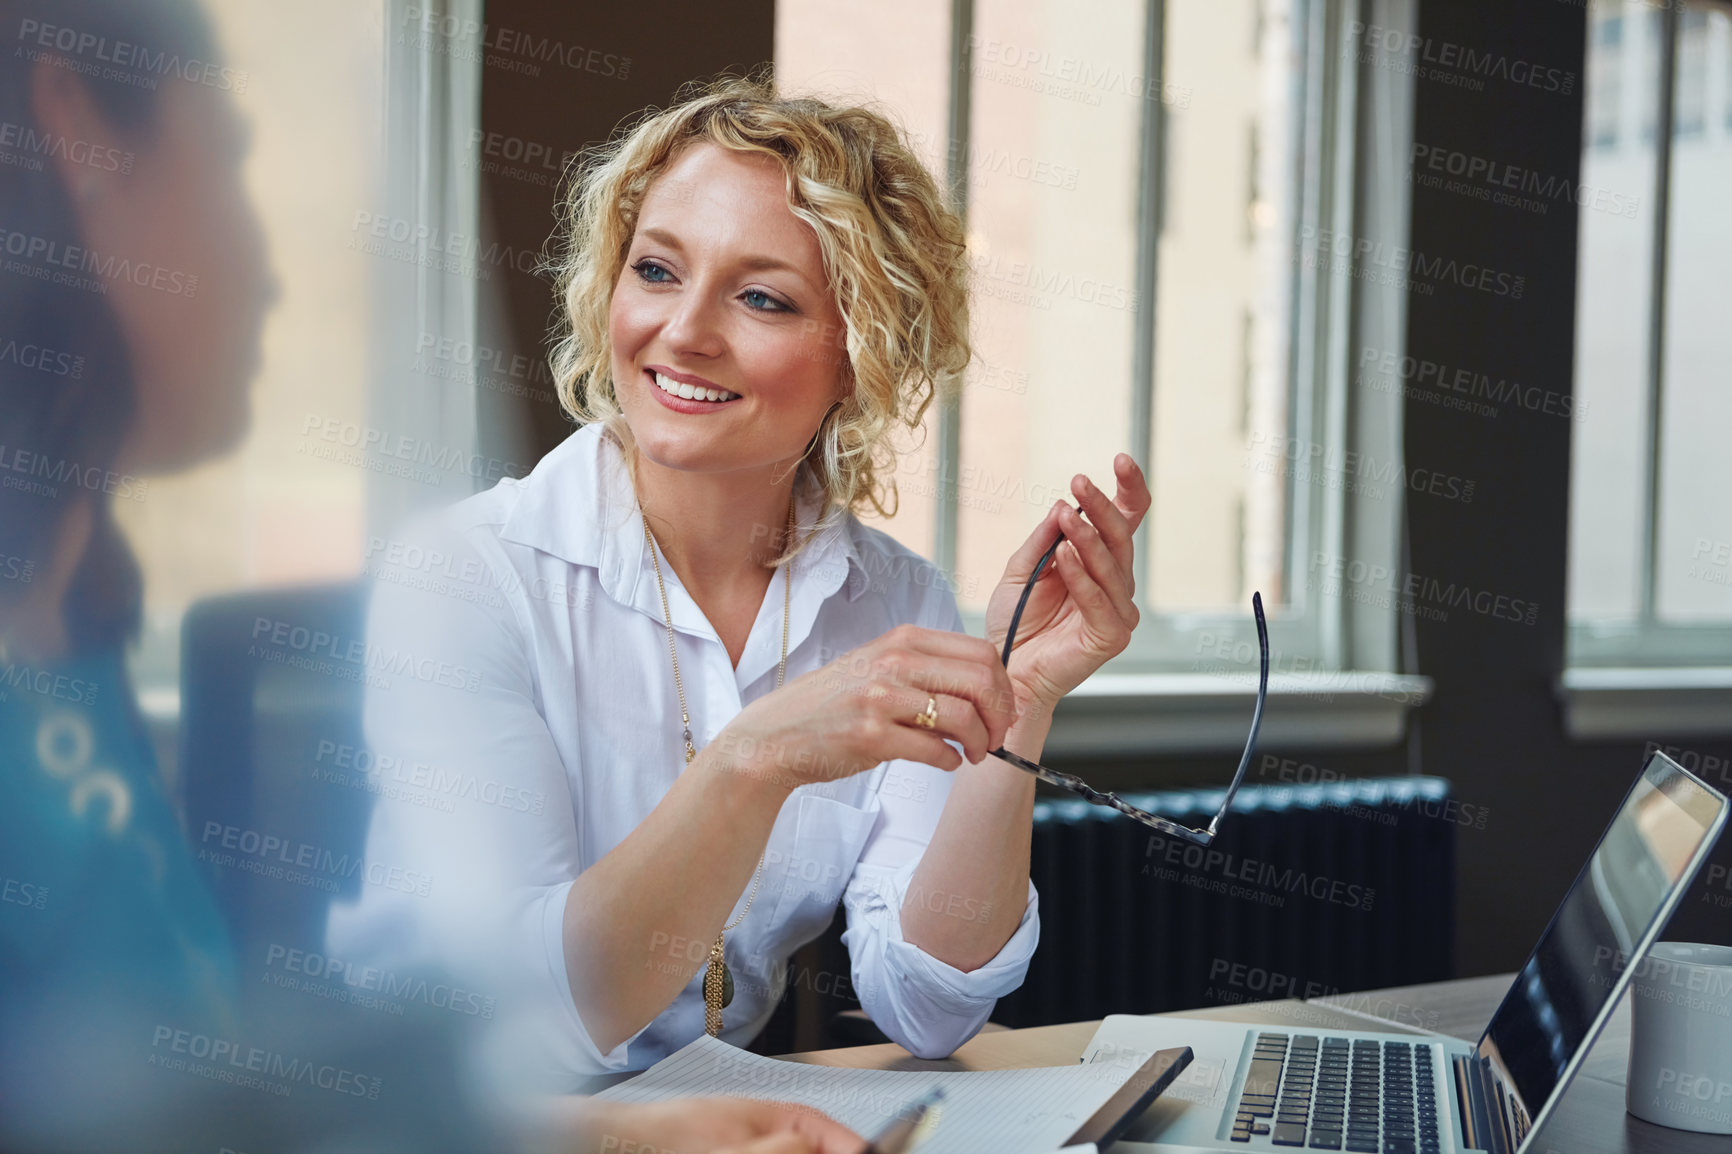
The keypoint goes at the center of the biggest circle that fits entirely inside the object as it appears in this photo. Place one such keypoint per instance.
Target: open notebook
(1029, 1111)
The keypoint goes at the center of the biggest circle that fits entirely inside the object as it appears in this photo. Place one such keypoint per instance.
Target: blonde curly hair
(894, 253)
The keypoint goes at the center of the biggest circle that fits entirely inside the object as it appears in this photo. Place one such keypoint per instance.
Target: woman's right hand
(860, 710)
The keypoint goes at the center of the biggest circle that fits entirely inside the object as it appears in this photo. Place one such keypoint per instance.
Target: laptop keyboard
(1340, 1094)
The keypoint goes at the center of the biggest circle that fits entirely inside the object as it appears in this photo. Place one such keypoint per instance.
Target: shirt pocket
(810, 870)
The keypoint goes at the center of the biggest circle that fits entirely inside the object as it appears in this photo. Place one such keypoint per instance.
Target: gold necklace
(718, 979)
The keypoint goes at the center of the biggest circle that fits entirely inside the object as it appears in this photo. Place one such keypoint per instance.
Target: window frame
(1636, 678)
(1338, 673)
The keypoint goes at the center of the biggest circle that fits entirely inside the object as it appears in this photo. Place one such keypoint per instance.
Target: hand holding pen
(912, 1124)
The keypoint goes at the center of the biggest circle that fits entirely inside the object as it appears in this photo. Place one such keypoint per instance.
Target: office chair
(266, 715)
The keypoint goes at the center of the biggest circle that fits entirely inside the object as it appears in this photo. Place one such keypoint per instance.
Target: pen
(899, 1135)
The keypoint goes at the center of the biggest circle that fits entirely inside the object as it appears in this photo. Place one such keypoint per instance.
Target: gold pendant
(718, 989)
(718, 972)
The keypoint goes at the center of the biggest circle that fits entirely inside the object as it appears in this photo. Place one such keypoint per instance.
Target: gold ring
(929, 718)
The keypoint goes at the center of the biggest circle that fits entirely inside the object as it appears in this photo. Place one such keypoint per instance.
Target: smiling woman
(848, 272)
(757, 291)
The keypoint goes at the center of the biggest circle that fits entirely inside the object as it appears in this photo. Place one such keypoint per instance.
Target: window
(1650, 566)
(1690, 117)
(1604, 95)
(897, 55)
(370, 245)
(1169, 207)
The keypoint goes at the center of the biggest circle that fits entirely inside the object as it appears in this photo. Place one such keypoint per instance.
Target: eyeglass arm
(1021, 602)
(1256, 714)
(1082, 789)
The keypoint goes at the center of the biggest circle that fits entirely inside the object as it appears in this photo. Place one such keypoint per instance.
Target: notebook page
(1008, 1111)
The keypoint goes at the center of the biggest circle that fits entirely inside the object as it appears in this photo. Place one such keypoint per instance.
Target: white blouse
(521, 720)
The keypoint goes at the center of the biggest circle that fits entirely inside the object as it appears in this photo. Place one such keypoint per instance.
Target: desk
(1591, 1119)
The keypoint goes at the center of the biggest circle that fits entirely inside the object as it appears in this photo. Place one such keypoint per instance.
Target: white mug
(1681, 1038)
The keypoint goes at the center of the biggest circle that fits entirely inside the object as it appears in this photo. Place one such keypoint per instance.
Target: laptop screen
(1615, 906)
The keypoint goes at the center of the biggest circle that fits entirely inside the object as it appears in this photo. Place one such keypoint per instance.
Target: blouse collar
(578, 505)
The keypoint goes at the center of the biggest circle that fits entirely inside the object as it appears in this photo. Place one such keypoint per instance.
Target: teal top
(102, 906)
(118, 979)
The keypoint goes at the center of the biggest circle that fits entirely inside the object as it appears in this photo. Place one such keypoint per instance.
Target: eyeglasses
(1083, 790)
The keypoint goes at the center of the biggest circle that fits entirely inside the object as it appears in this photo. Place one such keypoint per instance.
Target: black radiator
(1306, 891)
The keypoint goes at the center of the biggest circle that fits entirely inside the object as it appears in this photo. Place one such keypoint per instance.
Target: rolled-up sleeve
(923, 1004)
(926, 1006)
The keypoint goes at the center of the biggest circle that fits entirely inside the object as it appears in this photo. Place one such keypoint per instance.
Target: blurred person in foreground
(132, 295)
(133, 287)
(735, 705)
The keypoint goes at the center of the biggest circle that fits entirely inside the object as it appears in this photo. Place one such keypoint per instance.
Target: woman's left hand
(1081, 611)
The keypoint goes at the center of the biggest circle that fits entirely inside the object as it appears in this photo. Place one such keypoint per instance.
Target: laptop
(1291, 1087)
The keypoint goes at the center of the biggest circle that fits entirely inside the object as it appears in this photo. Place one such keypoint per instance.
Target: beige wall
(268, 514)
